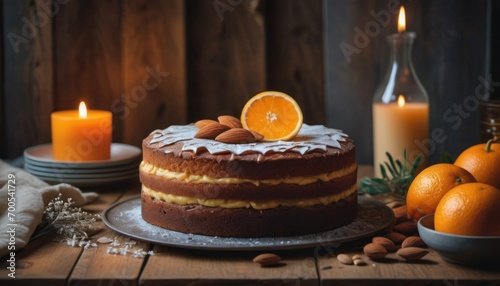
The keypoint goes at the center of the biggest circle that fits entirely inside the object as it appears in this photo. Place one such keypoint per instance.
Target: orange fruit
(430, 185)
(274, 114)
(469, 209)
(483, 162)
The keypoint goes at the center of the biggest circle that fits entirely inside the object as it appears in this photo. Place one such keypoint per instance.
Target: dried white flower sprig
(71, 222)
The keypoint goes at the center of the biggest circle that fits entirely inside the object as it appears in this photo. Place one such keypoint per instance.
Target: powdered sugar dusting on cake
(310, 138)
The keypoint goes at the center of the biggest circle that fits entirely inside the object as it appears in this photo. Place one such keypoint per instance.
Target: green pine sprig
(396, 177)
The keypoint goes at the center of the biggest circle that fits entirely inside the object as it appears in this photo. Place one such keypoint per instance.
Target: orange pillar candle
(81, 135)
(399, 126)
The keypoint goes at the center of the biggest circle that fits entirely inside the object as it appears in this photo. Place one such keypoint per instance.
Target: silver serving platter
(125, 217)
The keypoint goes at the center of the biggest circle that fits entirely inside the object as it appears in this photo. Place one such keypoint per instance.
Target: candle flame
(401, 100)
(82, 110)
(402, 20)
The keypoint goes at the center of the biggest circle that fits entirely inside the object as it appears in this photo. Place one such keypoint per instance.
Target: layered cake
(284, 188)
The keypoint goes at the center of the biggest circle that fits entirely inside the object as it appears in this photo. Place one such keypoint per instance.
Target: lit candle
(401, 106)
(398, 126)
(81, 135)
(402, 20)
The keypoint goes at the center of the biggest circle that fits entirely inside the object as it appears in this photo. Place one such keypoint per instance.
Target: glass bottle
(400, 108)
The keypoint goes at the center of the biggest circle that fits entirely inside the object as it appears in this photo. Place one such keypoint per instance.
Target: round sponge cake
(261, 189)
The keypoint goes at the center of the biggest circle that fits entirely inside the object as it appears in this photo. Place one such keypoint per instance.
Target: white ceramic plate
(90, 182)
(61, 175)
(134, 165)
(42, 155)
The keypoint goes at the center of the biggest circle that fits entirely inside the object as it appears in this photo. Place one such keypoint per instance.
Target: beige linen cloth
(31, 197)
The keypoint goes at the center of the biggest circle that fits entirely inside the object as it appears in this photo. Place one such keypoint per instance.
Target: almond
(257, 135)
(345, 259)
(385, 242)
(374, 251)
(396, 237)
(236, 136)
(412, 253)
(400, 214)
(203, 122)
(211, 131)
(230, 121)
(406, 228)
(357, 256)
(412, 241)
(359, 262)
(394, 204)
(267, 259)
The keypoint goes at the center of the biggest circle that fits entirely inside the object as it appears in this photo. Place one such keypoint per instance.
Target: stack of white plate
(123, 165)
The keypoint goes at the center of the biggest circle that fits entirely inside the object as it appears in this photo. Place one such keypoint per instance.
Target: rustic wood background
(161, 62)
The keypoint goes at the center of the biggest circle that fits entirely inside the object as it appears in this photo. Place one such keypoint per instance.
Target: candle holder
(400, 106)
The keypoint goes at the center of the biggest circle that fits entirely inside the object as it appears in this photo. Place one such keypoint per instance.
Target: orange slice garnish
(274, 114)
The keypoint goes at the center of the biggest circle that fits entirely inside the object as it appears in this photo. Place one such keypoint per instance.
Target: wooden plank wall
(295, 62)
(154, 67)
(87, 56)
(27, 89)
(155, 63)
(161, 62)
(495, 46)
(226, 56)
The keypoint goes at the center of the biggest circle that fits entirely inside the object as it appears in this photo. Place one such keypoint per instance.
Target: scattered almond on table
(412, 253)
(375, 251)
(267, 259)
(406, 227)
(403, 240)
(395, 204)
(400, 214)
(412, 241)
(345, 259)
(388, 244)
(396, 237)
(360, 262)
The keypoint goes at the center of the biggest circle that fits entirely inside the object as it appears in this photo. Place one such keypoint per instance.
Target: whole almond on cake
(203, 122)
(236, 136)
(211, 131)
(230, 121)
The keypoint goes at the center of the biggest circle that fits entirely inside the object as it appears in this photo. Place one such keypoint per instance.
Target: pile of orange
(483, 162)
(469, 209)
(464, 196)
(430, 185)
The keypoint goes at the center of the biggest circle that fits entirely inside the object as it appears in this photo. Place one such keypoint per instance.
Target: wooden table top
(49, 260)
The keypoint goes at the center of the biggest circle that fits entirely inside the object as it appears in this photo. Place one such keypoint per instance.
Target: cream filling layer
(191, 178)
(232, 204)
